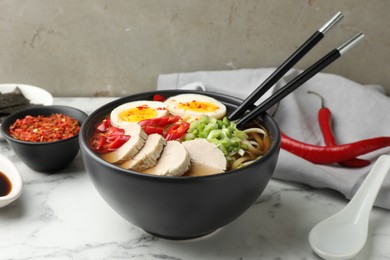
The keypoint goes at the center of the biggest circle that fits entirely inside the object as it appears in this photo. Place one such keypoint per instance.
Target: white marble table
(61, 216)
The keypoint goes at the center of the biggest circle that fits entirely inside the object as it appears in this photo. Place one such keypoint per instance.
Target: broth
(5, 185)
(198, 169)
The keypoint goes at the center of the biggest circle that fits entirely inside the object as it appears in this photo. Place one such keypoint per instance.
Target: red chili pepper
(325, 123)
(153, 130)
(176, 131)
(106, 123)
(114, 131)
(158, 97)
(327, 155)
(98, 142)
(108, 138)
(159, 121)
(117, 142)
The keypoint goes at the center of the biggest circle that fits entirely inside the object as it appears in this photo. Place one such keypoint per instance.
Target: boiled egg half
(133, 112)
(195, 105)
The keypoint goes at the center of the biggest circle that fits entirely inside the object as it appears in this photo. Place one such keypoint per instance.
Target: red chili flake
(44, 129)
(142, 107)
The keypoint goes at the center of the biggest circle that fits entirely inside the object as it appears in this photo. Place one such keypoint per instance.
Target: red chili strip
(334, 154)
(153, 130)
(177, 131)
(108, 138)
(106, 123)
(159, 125)
(159, 121)
(325, 123)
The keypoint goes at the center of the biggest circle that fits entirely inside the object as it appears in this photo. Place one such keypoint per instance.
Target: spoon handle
(365, 196)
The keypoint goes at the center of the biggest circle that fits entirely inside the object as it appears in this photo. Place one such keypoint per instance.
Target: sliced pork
(130, 148)
(147, 157)
(205, 155)
(174, 161)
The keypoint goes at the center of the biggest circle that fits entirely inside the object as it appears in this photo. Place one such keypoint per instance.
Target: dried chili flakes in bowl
(44, 128)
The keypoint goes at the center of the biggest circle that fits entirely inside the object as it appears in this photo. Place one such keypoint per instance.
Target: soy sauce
(5, 185)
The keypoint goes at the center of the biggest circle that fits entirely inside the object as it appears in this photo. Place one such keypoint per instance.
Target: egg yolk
(198, 106)
(137, 114)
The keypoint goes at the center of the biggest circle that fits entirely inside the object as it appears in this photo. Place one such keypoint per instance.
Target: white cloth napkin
(359, 112)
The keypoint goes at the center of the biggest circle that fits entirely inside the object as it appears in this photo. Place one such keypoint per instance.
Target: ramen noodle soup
(184, 135)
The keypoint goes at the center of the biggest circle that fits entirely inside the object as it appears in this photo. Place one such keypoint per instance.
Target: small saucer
(8, 169)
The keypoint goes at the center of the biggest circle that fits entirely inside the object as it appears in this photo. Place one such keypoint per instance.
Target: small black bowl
(178, 207)
(45, 156)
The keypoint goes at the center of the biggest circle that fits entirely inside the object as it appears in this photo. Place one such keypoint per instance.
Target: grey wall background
(119, 47)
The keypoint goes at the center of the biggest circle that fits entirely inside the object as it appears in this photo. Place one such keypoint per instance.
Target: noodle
(258, 143)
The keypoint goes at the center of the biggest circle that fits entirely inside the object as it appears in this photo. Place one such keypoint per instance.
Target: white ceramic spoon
(344, 234)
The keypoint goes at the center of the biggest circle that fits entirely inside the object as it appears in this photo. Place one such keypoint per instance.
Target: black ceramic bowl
(178, 207)
(45, 156)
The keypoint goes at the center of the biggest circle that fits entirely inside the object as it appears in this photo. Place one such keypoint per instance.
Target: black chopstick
(285, 66)
(299, 80)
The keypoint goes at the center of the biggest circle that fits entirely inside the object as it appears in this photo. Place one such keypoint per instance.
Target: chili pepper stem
(318, 95)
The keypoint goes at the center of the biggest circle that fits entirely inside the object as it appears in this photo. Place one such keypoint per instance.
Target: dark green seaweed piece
(13, 102)
(14, 98)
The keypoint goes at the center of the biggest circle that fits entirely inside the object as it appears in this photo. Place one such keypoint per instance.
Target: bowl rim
(118, 170)
(23, 112)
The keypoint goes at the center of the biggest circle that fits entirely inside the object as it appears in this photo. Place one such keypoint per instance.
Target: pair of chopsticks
(239, 113)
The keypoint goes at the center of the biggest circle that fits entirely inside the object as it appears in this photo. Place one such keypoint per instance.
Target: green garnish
(223, 133)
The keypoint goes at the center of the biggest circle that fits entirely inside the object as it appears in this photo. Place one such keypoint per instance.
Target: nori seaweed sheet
(15, 98)
(13, 102)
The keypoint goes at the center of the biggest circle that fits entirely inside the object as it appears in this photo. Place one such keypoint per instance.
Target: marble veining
(61, 216)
